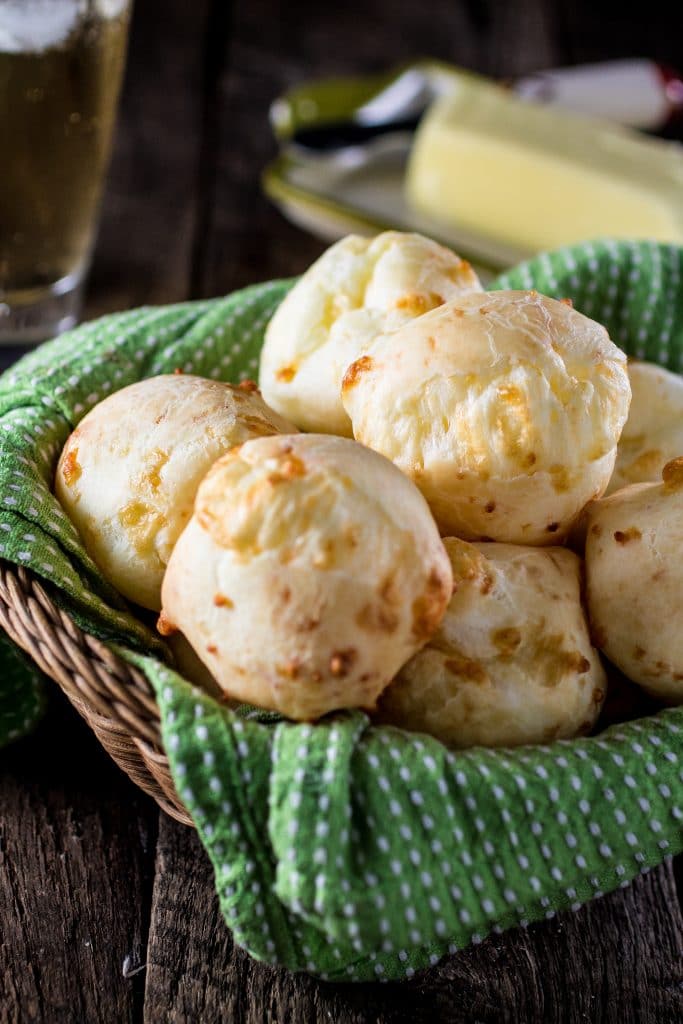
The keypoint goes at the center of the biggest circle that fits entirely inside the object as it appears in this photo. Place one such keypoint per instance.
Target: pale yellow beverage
(60, 72)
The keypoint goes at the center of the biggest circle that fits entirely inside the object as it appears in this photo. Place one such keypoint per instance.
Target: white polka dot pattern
(633, 288)
(358, 832)
(42, 399)
(344, 850)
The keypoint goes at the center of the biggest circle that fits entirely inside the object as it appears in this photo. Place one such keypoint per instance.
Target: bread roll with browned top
(634, 572)
(310, 572)
(505, 408)
(511, 662)
(653, 434)
(129, 472)
(358, 288)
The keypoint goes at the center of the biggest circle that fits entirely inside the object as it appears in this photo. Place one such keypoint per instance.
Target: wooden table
(107, 909)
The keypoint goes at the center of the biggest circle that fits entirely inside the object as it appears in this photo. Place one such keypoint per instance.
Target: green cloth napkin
(346, 850)
(42, 399)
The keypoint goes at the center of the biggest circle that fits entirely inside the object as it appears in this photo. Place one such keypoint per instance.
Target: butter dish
(537, 157)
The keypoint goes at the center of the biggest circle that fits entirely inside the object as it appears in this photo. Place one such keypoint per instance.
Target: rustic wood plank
(76, 853)
(245, 238)
(190, 949)
(616, 960)
(619, 958)
(149, 215)
(581, 35)
(76, 838)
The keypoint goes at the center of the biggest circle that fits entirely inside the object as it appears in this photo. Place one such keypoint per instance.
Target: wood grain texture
(551, 971)
(85, 887)
(76, 838)
(191, 955)
(149, 215)
(76, 854)
(271, 49)
(616, 960)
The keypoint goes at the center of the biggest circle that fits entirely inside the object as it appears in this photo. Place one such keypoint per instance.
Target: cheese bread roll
(309, 573)
(129, 472)
(357, 289)
(511, 662)
(505, 408)
(653, 434)
(634, 577)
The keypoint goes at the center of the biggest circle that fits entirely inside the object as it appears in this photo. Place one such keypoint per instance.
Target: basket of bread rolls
(373, 577)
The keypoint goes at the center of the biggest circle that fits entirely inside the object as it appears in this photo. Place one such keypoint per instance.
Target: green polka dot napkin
(42, 399)
(343, 849)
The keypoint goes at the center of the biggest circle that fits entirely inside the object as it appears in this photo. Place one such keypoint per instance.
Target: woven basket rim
(115, 698)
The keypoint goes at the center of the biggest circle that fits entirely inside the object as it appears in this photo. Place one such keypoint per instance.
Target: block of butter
(526, 177)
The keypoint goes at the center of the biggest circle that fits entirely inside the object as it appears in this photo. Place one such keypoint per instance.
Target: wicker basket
(114, 698)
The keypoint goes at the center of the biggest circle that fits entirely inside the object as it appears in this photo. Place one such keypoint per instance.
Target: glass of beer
(61, 63)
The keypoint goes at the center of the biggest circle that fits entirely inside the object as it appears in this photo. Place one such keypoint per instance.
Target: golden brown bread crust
(504, 407)
(512, 660)
(635, 581)
(128, 474)
(310, 572)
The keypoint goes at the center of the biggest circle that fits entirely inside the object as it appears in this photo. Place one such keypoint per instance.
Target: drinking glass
(61, 63)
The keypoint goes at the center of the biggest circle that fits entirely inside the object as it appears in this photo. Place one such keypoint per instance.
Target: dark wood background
(107, 908)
